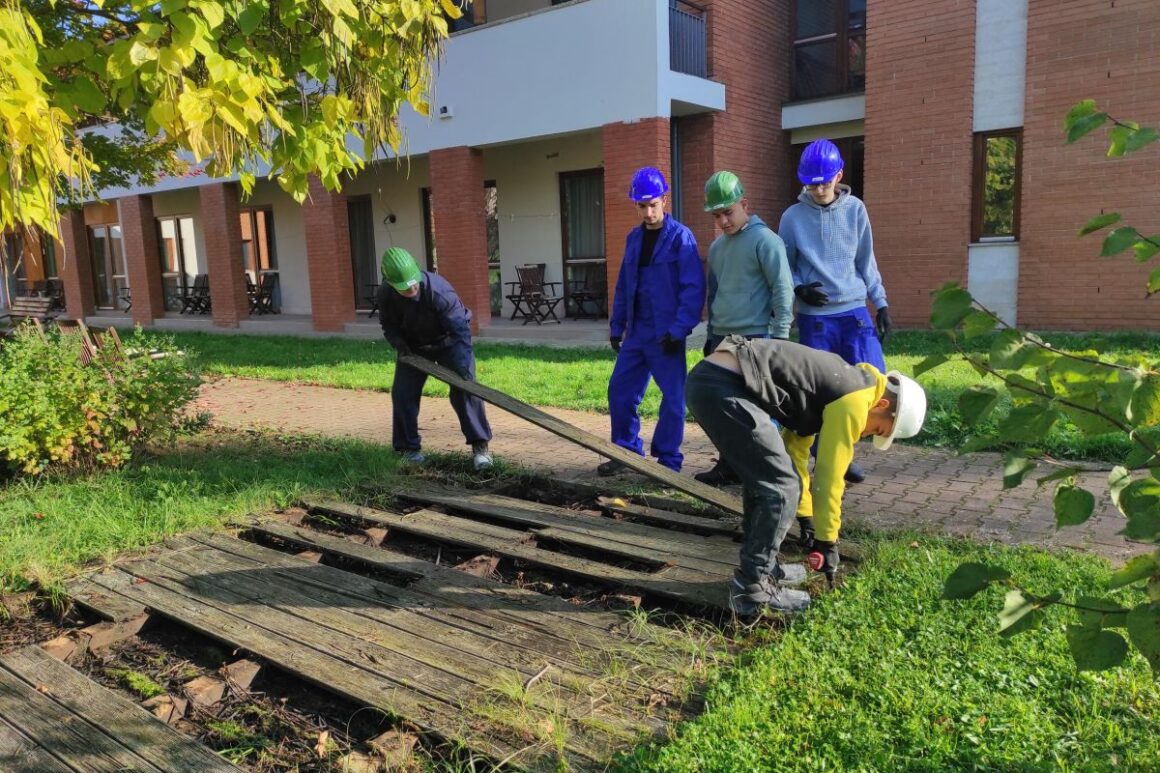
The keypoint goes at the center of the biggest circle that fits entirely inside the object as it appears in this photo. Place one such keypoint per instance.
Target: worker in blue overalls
(659, 295)
(421, 314)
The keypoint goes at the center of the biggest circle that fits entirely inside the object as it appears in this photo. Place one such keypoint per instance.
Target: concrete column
(142, 260)
(75, 264)
(628, 147)
(457, 205)
(223, 251)
(327, 225)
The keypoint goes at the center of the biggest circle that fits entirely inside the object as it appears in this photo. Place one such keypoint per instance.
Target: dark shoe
(854, 474)
(611, 467)
(749, 599)
(791, 574)
(721, 475)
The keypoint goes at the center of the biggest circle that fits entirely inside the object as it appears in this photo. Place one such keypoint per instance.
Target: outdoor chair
(589, 298)
(533, 298)
(262, 301)
(195, 298)
(372, 298)
(54, 288)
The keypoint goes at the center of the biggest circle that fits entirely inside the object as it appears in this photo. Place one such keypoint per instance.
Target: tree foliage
(1098, 395)
(244, 85)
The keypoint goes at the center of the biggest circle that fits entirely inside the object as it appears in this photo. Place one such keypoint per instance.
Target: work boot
(611, 467)
(481, 456)
(792, 575)
(854, 473)
(747, 599)
(721, 475)
(414, 456)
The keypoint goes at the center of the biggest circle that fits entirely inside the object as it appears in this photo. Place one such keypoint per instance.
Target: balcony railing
(687, 49)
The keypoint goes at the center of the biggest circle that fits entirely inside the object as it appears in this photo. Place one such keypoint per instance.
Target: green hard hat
(400, 270)
(722, 190)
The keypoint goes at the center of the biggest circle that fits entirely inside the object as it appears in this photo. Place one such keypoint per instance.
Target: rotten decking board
(463, 532)
(110, 606)
(565, 430)
(86, 727)
(708, 554)
(19, 754)
(668, 517)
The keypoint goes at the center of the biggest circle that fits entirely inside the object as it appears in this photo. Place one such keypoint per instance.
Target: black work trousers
(751, 444)
(407, 390)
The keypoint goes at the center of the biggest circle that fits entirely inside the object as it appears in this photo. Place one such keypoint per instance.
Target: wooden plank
(668, 517)
(70, 738)
(110, 606)
(458, 531)
(675, 547)
(565, 430)
(323, 668)
(484, 603)
(583, 538)
(131, 725)
(407, 635)
(22, 755)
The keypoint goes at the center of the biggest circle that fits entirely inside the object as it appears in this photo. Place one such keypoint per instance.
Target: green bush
(57, 411)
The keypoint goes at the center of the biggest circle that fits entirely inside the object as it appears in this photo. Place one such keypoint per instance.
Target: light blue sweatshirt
(748, 282)
(833, 245)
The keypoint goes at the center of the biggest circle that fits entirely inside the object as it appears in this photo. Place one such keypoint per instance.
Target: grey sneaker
(414, 456)
(481, 456)
(749, 599)
(790, 574)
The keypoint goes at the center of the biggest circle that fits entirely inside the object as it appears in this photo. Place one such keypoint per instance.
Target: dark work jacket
(674, 281)
(794, 383)
(437, 319)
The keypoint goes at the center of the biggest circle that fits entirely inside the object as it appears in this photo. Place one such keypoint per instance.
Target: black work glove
(672, 345)
(811, 295)
(403, 349)
(824, 557)
(882, 324)
(806, 534)
(614, 342)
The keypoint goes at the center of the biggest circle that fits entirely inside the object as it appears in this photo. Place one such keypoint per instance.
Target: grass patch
(578, 378)
(51, 526)
(883, 676)
(140, 684)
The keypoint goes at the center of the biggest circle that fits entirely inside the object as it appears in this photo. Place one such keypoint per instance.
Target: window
(582, 223)
(995, 194)
(429, 231)
(829, 47)
(110, 277)
(178, 254)
(491, 212)
(258, 253)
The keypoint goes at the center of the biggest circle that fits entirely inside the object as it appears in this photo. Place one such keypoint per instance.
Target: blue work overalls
(665, 296)
(436, 325)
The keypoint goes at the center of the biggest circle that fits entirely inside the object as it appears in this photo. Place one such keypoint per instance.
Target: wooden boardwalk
(54, 719)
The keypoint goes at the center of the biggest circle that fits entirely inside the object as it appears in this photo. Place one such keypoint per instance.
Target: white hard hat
(909, 409)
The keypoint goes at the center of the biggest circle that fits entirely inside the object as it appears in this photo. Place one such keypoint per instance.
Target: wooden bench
(23, 308)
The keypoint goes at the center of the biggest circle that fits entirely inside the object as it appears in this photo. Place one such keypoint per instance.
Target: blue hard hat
(821, 162)
(647, 184)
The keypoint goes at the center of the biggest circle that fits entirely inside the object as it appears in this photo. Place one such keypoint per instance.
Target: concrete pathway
(908, 487)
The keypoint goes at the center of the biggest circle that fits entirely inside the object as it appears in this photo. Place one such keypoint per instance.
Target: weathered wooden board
(19, 754)
(111, 606)
(87, 727)
(670, 518)
(460, 531)
(709, 554)
(565, 430)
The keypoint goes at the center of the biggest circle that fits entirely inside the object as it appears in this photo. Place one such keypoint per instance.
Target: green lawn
(578, 378)
(881, 675)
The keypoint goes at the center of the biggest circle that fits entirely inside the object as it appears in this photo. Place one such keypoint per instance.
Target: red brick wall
(327, 227)
(626, 148)
(749, 51)
(222, 231)
(142, 260)
(920, 59)
(75, 264)
(457, 204)
(1107, 51)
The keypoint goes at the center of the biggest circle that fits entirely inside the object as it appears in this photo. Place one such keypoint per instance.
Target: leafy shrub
(56, 411)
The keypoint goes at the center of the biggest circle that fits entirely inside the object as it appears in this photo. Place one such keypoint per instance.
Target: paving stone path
(909, 487)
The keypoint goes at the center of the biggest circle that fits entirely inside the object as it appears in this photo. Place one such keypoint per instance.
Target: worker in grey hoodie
(750, 285)
(830, 249)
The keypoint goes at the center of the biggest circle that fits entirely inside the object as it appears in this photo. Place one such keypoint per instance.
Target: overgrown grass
(52, 525)
(881, 675)
(578, 378)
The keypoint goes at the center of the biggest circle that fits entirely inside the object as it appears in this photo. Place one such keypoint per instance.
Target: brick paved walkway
(908, 487)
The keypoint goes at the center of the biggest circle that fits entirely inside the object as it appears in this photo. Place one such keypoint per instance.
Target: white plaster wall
(993, 277)
(526, 177)
(1000, 64)
(830, 131)
(848, 107)
(396, 189)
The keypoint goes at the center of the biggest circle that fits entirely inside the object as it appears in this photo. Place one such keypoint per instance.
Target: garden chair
(533, 298)
(262, 302)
